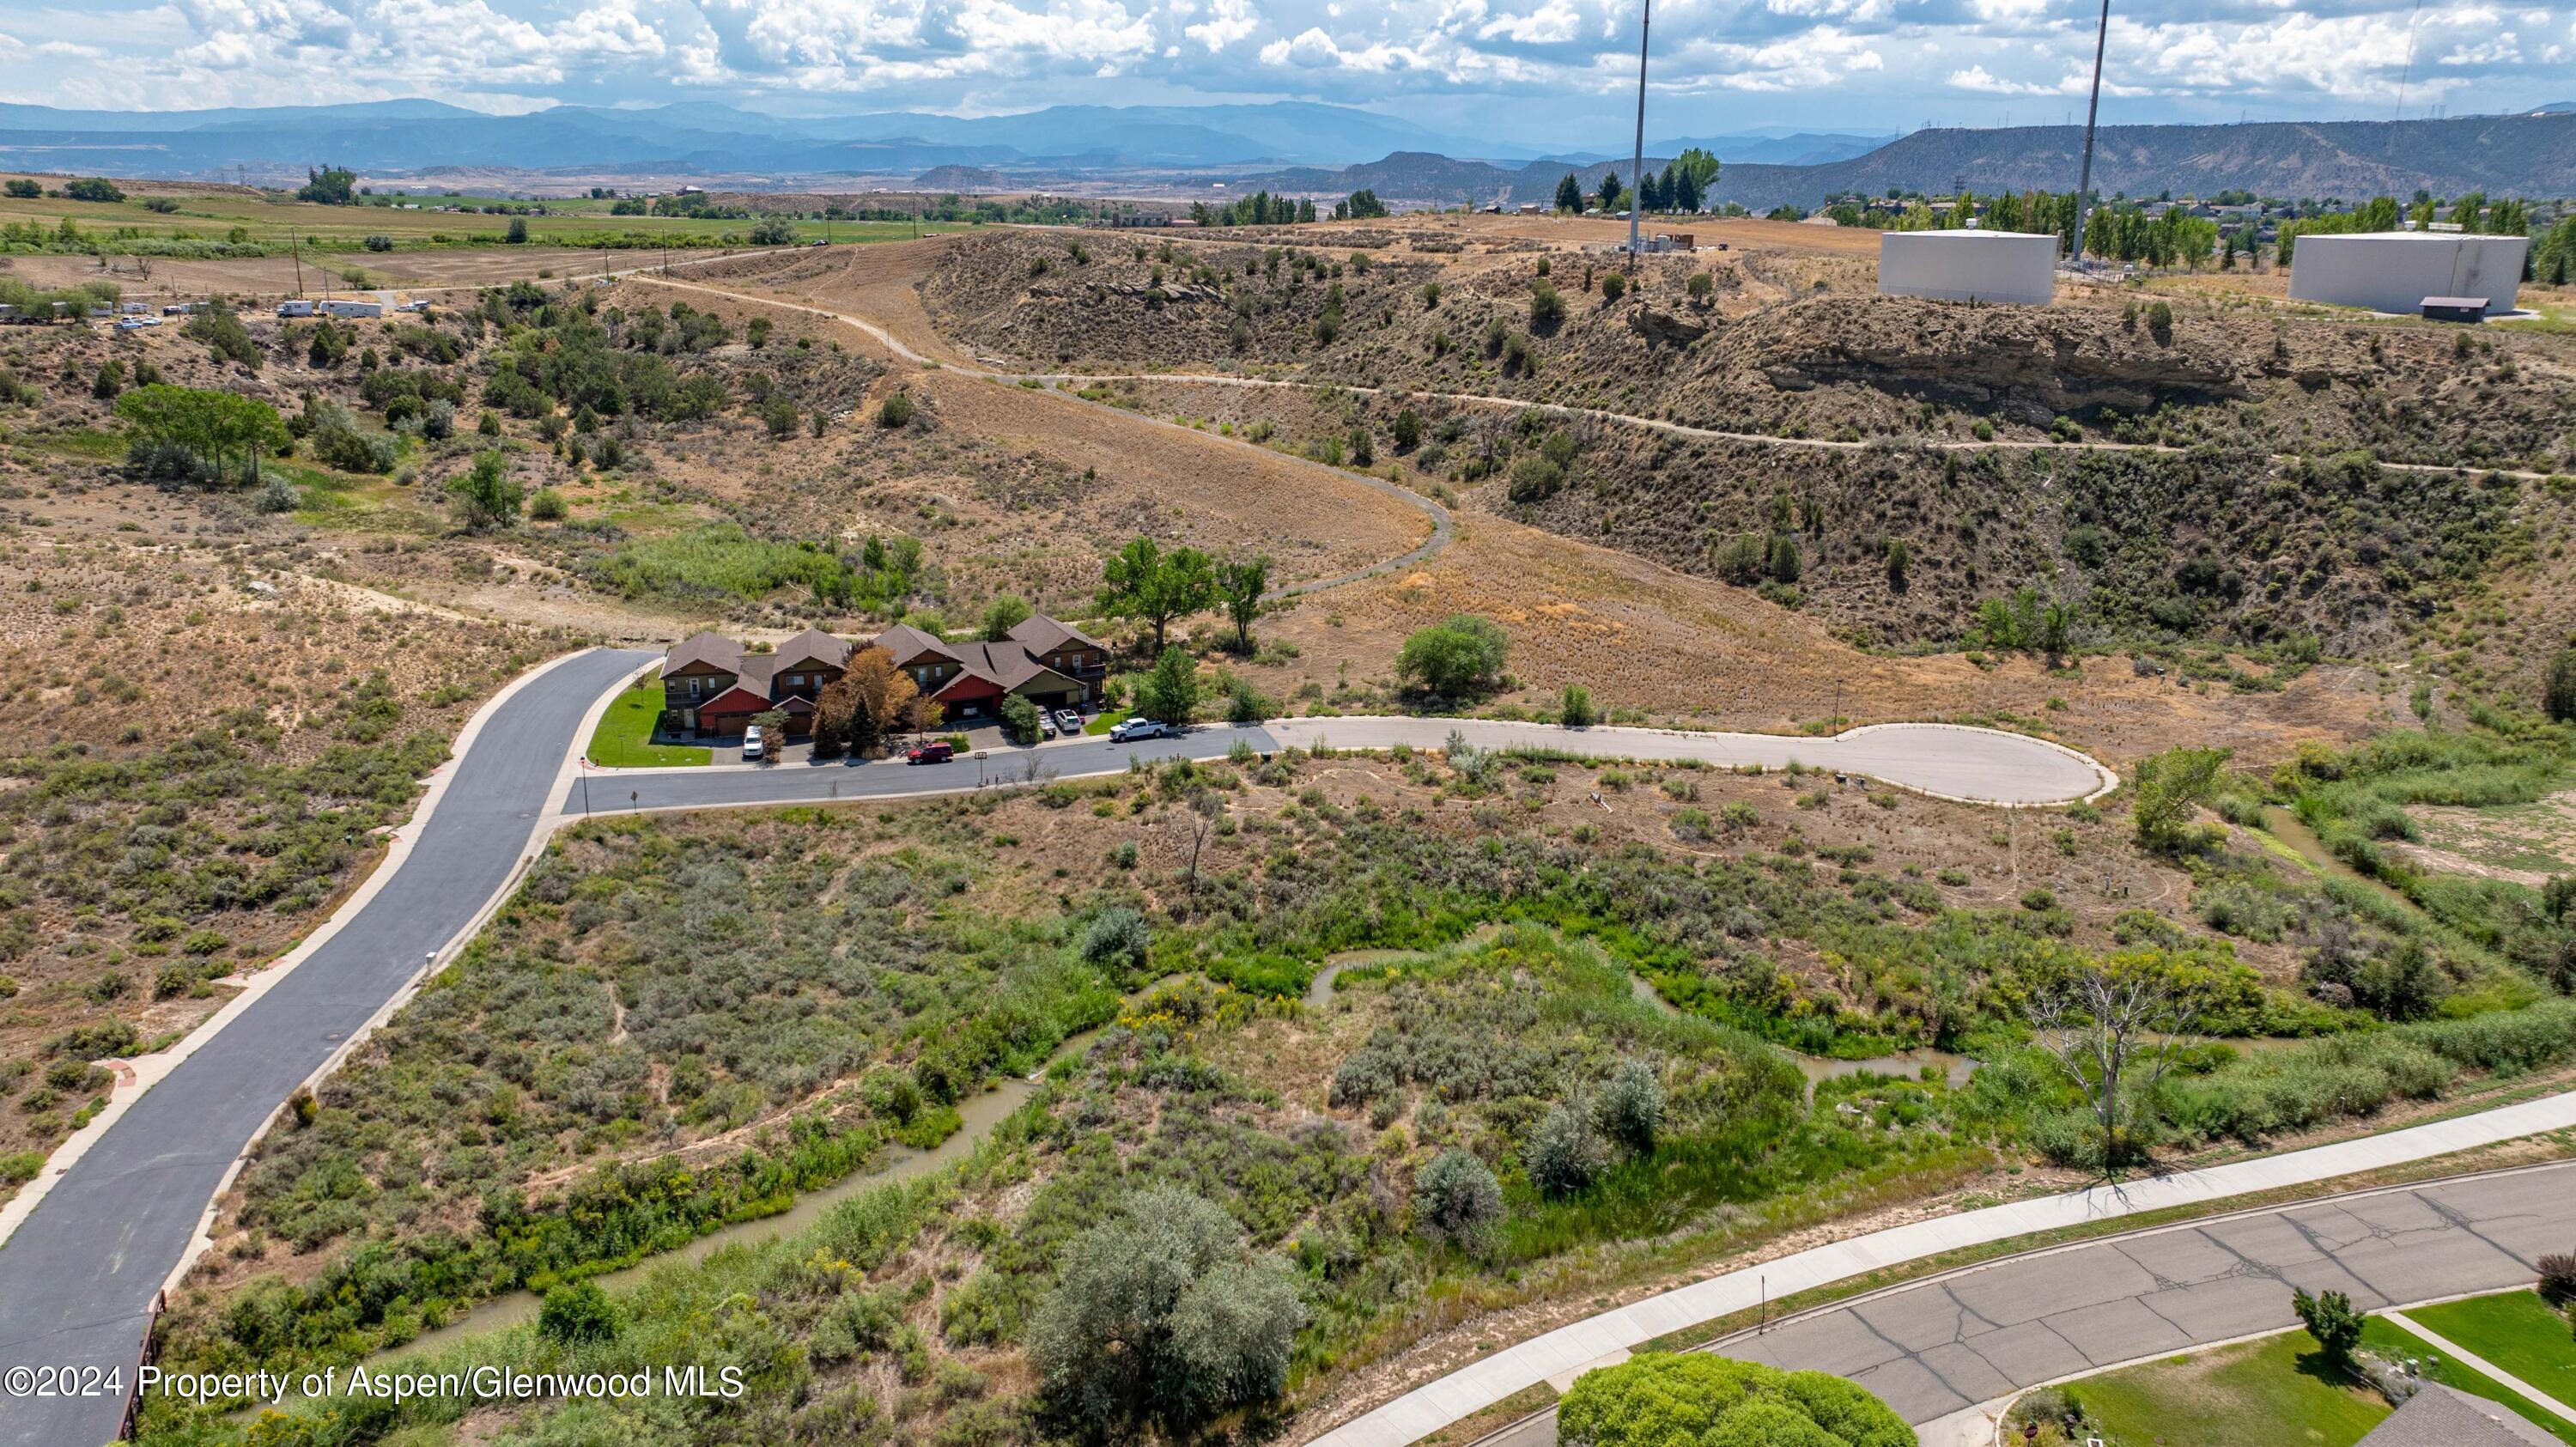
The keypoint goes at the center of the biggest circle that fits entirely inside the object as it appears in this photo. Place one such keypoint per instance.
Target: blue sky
(1546, 72)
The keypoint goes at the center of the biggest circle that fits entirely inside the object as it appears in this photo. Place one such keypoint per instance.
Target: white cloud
(1548, 72)
(1228, 21)
(1553, 23)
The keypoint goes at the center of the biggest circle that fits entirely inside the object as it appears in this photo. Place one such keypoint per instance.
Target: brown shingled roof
(1042, 634)
(814, 645)
(710, 648)
(906, 643)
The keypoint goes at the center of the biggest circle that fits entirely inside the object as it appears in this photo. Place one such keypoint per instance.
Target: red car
(938, 753)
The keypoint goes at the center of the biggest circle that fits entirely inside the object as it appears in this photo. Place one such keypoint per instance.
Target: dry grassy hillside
(1777, 344)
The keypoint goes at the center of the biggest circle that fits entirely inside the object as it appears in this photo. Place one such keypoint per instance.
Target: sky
(1551, 73)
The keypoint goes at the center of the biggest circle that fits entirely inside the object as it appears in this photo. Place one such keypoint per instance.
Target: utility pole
(2092, 115)
(1637, 166)
(295, 248)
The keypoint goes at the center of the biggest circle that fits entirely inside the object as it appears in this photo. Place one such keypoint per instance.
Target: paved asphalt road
(77, 1278)
(1941, 1345)
(1962, 763)
(712, 788)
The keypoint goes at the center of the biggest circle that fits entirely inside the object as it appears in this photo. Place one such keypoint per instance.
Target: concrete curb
(2063, 1247)
(1472, 1388)
(151, 1069)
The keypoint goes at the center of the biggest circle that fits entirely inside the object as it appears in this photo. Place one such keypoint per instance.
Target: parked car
(130, 324)
(938, 753)
(413, 306)
(1046, 724)
(1067, 722)
(1129, 730)
(753, 745)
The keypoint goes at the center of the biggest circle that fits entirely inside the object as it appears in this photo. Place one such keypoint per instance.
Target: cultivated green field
(234, 219)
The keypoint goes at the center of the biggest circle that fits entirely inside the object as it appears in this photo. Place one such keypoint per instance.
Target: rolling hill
(2526, 155)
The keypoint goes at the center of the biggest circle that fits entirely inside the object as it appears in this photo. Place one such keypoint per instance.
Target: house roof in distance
(1042, 634)
(817, 646)
(2440, 1416)
(907, 642)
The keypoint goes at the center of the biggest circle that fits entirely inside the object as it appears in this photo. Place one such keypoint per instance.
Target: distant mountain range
(390, 138)
(2532, 155)
(1290, 146)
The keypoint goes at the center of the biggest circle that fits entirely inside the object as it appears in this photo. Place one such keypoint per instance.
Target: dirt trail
(999, 405)
(883, 284)
(1578, 613)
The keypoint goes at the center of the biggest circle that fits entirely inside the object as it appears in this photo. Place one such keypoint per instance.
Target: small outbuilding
(1970, 264)
(2395, 271)
(2455, 308)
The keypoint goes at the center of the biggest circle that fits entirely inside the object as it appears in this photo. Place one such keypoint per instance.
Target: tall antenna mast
(2092, 113)
(1637, 168)
(2405, 76)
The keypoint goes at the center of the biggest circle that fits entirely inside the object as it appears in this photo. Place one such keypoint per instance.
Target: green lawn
(2209, 1399)
(626, 730)
(2517, 1332)
(2389, 1339)
(1106, 720)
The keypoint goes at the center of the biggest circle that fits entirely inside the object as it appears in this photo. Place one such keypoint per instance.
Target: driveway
(1978, 765)
(1985, 766)
(1946, 1344)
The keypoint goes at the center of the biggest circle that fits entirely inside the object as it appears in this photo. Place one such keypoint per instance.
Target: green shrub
(1693, 1399)
(1456, 1198)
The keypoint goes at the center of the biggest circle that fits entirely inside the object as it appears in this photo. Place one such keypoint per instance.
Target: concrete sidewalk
(2487, 1369)
(1574, 1348)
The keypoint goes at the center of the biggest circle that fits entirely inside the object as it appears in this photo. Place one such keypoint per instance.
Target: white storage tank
(2393, 271)
(1969, 265)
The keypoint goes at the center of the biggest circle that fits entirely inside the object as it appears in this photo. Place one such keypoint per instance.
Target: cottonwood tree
(2114, 1031)
(212, 428)
(1240, 586)
(1145, 583)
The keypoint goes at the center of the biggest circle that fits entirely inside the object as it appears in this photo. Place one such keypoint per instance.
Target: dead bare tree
(1198, 821)
(2104, 1029)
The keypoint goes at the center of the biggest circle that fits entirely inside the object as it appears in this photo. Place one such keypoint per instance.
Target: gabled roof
(736, 699)
(2438, 1416)
(814, 646)
(1043, 634)
(1007, 665)
(710, 649)
(907, 643)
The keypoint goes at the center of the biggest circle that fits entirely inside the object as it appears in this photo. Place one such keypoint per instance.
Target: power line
(2405, 75)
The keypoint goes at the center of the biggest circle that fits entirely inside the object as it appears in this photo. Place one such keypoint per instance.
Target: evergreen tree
(1569, 194)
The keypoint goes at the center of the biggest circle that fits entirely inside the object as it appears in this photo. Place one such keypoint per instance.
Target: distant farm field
(212, 214)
